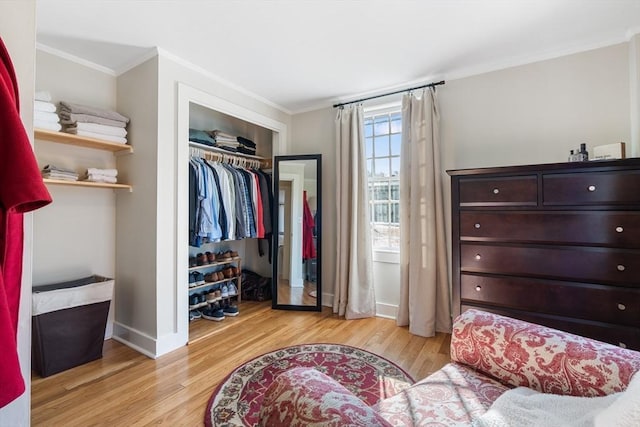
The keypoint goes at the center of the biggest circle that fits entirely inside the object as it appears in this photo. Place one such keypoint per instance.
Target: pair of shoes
(194, 314)
(224, 291)
(230, 310)
(225, 255)
(201, 259)
(213, 312)
(214, 296)
(194, 301)
(233, 291)
(211, 257)
(193, 261)
(196, 279)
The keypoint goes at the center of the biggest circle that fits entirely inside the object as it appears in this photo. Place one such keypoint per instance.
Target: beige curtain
(354, 295)
(424, 284)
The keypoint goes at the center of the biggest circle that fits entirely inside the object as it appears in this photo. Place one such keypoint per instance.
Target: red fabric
(308, 248)
(259, 210)
(21, 190)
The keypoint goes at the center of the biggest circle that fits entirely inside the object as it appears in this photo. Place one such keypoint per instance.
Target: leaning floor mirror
(297, 230)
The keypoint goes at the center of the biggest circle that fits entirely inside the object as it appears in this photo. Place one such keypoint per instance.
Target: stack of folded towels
(246, 146)
(101, 175)
(44, 112)
(55, 172)
(93, 122)
(225, 141)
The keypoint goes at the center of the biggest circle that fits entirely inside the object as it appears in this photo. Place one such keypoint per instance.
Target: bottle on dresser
(583, 154)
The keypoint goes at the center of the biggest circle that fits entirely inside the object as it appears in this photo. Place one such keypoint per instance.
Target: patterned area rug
(237, 400)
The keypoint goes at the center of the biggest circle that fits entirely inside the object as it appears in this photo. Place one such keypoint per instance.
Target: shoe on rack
(213, 296)
(201, 259)
(198, 278)
(194, 314)
(225, 291)
(230, 310)
(233, 291)
(193, 261)
(211, 257)
(192, 281)
(194, 301)
(213, 313)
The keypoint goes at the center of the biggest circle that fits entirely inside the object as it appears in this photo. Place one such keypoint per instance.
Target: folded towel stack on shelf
(246, 146)
(93, 122)
(101, 175)
(55, 172)
(44, 112)
(201, 137)
(225, 141)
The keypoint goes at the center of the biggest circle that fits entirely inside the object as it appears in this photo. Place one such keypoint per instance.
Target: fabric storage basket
(69, 321)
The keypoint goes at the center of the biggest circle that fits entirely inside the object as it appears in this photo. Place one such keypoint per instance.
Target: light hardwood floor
(125, 388)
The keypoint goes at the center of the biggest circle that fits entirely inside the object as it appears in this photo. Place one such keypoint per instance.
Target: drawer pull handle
(622, 307)
(476, 225)
(478, 256)
(591, 188)
(496, 191)
(619, 229)
(622, 345)
(621, 267)
(478, 288)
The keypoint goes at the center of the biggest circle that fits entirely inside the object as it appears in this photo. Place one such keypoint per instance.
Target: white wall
(18, 31)
(528, 114)
(81, 219)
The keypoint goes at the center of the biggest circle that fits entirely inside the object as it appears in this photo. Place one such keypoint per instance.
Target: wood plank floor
(125, 388)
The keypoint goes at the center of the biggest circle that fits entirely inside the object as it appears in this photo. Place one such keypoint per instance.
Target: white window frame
(384, 255)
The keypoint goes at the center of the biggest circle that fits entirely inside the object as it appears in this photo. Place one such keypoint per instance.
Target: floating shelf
(82, 141)
(88, 184)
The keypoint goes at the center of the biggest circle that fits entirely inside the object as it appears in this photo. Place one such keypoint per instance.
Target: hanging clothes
(21, 190)
(308, 247)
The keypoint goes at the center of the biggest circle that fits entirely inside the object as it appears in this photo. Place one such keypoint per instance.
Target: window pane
(368, 128)
(381, 191)
(396, 116)
(395, 144)
(381, 146)
(393, 231)
(395, 190)
(380, 212)
(395, 213)
(368, 148)
(396, 126)
(369, 168)
(380, 235)
(381, 125)
(381, 167)
(395, 166)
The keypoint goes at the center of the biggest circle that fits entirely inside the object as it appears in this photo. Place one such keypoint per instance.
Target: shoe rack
(218, 267)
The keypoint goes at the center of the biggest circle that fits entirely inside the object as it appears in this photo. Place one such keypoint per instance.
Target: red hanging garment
(308, 248)
(21, 190)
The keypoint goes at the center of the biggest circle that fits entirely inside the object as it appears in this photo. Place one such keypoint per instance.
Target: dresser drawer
(615, 229)
(596, 188)
(502, 191)
(585, 301)
(593, 265)
(623, 336)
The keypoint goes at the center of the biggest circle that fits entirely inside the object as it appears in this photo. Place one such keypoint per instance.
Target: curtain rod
(387, 94)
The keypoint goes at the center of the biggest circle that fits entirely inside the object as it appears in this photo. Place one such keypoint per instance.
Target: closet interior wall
(206, 119)
(74, 236)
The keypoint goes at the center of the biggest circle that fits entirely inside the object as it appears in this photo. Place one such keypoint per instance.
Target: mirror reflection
(297, 240)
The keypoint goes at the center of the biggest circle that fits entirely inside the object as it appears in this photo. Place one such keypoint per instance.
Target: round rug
(237, 400)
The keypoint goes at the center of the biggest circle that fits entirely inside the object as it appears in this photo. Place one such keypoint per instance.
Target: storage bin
(68, 323)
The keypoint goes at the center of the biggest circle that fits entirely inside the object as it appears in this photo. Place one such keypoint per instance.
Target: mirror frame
(318, 224)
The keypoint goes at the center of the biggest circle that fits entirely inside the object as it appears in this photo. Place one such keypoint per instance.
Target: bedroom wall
(18, 32)
(533, 113)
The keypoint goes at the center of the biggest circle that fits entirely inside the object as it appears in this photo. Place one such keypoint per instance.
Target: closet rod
(387, 94)
(227, 158)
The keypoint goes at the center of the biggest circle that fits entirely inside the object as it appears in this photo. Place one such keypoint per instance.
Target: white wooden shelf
(88, 184)
(81, 141)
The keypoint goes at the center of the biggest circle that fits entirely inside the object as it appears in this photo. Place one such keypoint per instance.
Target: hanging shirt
(21, 190)
(308, 247)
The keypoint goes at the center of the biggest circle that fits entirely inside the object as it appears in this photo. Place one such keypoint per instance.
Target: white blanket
(523, 407)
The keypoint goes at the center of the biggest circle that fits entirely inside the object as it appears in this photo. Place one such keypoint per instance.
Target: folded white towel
(43, 116)
(39, 124)
(43, 95)
(105, 172)
(104, 129)
(110, 138)
(44, 106)
(102, 178)
(94, 111)
(72, 118)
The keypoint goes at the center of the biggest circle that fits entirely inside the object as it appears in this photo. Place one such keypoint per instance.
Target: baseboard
(387, 311)
(135, 339)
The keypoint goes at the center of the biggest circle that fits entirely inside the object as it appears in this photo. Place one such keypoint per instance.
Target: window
(382, 135)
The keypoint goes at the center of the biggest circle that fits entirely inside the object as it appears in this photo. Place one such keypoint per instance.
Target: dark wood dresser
(553, 244)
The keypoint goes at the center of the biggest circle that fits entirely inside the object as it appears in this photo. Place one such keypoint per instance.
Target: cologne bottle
(572, 156)
(583, 154)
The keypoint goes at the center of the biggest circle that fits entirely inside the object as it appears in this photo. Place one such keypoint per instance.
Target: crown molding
(80, 61)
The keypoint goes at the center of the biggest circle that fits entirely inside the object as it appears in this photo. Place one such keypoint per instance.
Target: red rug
(237, 400)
